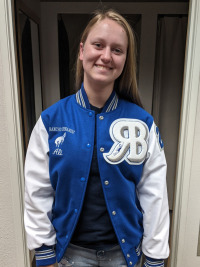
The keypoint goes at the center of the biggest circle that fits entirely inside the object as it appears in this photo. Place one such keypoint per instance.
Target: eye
(98, 45)
(117, 51)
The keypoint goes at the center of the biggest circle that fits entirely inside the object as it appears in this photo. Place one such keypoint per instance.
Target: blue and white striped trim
(113, 104)
(80, 99)
(44, 254)
(139, 249)
(154, 263)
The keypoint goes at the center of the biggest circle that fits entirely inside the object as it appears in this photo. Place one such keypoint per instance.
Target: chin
(103, 80)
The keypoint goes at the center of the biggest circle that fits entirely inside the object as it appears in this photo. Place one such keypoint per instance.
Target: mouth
(101, 67)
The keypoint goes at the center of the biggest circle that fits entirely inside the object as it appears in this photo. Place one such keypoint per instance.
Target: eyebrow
(103, 40)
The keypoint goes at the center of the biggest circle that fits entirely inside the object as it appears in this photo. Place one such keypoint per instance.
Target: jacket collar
(82, 100)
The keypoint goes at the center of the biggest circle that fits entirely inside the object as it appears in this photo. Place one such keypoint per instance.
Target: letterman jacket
(132, 168)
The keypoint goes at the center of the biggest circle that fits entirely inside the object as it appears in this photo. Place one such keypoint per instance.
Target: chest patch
(58, 142)
(130, 142)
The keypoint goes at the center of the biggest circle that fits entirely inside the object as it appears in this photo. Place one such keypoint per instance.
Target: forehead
(109, 29)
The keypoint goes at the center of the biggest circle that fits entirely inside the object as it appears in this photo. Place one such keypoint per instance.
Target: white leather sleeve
(152, 194)
(39, 194)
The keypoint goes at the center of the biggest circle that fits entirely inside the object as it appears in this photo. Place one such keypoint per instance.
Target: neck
(98, 95)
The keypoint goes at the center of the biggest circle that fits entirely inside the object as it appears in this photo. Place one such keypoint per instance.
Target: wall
(193, 214)
(7, 233)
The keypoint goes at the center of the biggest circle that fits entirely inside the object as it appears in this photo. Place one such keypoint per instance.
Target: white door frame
(10, 101)
(185, 174)
(191, 90)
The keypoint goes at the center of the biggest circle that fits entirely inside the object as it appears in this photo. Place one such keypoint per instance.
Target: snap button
(88, 145)
(130, 263)
(102, 149)
(128, 255)
(123, 240)
(113, 212)
(100, 253)
(75, 210)
(66, 236)
(101, 117)
(82, 179)
(106, 182)
(90, 114)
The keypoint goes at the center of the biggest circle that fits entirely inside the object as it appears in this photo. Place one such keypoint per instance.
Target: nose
(106, 55)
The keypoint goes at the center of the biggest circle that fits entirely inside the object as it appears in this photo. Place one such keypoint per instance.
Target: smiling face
(104, 54)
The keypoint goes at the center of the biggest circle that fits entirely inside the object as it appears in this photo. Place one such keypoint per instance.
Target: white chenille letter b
(130, 141)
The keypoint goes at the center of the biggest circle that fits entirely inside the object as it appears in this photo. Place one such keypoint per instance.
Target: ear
(81, 51)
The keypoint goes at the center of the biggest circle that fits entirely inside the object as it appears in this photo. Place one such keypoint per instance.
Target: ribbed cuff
(149, 262)
(45, 255)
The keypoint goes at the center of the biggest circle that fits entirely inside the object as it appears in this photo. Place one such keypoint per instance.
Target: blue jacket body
(124, 134)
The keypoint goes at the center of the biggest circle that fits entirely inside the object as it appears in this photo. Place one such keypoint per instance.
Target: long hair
(126, 83)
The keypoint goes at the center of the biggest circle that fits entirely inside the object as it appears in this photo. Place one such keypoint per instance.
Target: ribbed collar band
(82, 100)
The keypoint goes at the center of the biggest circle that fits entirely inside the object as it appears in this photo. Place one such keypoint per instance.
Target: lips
(102, 67)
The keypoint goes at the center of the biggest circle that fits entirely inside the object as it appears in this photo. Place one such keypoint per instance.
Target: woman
(95, 166)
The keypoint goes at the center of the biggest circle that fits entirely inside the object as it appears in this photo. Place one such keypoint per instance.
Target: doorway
(142, 70)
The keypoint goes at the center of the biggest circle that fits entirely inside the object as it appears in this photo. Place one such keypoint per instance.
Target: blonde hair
(126, 83)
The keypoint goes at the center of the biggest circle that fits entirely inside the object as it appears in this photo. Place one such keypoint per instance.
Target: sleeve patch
(158, 138)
